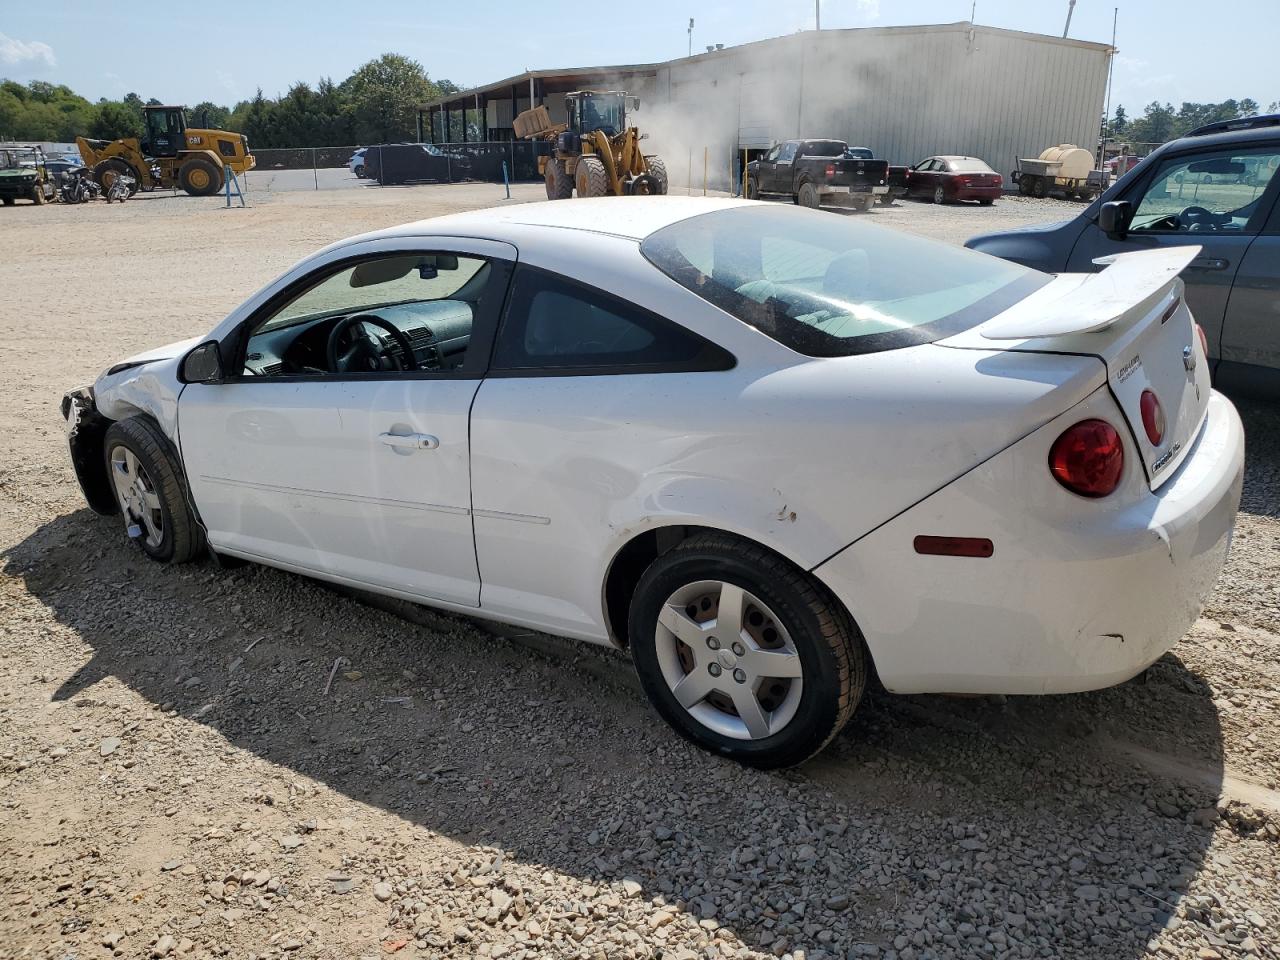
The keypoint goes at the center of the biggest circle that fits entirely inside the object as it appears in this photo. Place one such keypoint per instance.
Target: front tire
(591, 179)
(559, 183)
(106, 171)
(37, 195)
(151, 492)
(200, 177)
(359, 172)
(742, 653)
(752, 191)
(658, 170)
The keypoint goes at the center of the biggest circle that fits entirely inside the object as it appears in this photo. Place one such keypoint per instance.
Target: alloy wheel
(137, 496)
(728, 660)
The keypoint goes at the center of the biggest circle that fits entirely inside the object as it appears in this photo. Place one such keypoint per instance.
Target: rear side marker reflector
(954, 546)
(1173, 308)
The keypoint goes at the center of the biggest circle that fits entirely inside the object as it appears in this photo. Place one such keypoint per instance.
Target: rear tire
(8, 201)
(939, 195)
(776, 691)
(807, 196)
(200, 177)
(359, 172)
(1038, 189)
(105, 172)
(885, 199)
(591, 179)
(149, 487)
(986, 202)
(559, 184)
(658, 170)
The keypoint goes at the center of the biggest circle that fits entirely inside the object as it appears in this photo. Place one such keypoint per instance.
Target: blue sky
(1171, 50)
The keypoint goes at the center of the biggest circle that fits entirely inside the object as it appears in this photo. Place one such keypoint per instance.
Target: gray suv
(1215, 187)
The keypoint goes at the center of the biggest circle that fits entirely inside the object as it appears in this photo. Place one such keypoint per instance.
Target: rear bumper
(1077, 595)
(977, 193)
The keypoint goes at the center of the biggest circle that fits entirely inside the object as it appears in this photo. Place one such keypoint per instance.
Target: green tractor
(24, 176)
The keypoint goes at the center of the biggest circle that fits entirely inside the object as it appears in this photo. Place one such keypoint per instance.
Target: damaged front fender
(86, 429)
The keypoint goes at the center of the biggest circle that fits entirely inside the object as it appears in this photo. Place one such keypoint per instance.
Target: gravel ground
(176, 781)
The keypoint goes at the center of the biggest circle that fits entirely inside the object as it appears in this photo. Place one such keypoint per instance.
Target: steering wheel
(367, 354)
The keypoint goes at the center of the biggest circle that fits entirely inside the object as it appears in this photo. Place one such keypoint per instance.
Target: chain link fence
(395, 164)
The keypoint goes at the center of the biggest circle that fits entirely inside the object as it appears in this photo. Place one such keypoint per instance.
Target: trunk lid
(1133, 317)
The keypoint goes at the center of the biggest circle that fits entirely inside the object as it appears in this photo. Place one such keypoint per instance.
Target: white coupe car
(765, 449)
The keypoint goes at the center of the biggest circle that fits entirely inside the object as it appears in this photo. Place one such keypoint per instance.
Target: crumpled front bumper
(86, 429)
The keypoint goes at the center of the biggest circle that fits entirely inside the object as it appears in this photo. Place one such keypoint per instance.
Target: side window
(555, 324)
(1214, 192)
(788, 152)
(395, 313)
(772, 155)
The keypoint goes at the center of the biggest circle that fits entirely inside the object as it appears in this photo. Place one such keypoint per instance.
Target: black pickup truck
(817, 172)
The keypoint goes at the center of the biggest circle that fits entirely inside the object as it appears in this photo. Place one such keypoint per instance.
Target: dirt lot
(175, 782)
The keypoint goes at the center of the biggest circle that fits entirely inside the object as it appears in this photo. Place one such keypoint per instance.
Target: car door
(765, 169)
(918, 178)
(577, 406)
(784, 169)
(1214, 197)
(320, 454)
(1251, 329)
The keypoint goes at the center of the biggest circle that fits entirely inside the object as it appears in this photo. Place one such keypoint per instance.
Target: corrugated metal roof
(755, 46)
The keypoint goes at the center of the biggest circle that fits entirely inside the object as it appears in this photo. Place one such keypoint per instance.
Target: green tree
(385, 94)
(115, 120)
(1120, 121)
(208, 115)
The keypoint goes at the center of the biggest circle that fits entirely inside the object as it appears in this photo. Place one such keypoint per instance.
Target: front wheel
(744, 654)
(658, 170)
(200, 177)
(150, 491)
(751, 190)
(359, 172)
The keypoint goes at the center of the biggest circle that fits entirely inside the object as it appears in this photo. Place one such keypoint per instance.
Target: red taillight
(1152, 417)
(1088, 458)
(831, 169)
(1204, 341)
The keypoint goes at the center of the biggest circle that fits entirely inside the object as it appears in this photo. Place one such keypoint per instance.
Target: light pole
(691, 36)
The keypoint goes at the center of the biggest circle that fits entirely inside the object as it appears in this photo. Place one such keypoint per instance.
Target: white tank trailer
(1063, 171)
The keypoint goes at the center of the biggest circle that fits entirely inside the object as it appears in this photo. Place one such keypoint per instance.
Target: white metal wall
(906, 93)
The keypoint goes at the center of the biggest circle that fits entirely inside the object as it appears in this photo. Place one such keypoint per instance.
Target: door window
(788, 152)
(772, 155)
(555, 324)
(1213, 192)
(359, 319)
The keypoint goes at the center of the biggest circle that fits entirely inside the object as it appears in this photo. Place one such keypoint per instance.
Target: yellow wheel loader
(595, 152)
(172, 155)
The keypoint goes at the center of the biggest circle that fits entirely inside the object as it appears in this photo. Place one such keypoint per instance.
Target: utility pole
(817, 14)
(691, 36)
(1071, 8)
(1111, 72)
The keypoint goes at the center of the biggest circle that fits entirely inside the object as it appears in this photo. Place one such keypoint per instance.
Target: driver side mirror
(202, 365)
(1113, 218)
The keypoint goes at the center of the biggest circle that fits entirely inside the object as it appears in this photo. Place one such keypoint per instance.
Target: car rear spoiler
(1096, 303)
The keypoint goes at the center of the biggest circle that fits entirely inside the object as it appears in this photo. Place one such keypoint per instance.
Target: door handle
(410, 441)
(1209, 263)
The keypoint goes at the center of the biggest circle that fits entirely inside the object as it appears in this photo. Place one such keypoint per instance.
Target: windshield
(832, 286)
(602, 113)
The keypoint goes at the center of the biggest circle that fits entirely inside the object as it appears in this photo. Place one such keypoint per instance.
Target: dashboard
(438, 330)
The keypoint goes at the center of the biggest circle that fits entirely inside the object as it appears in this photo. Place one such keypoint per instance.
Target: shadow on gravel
(933, 826)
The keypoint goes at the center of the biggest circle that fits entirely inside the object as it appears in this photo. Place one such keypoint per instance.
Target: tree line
(1161, 122)
(376, 104)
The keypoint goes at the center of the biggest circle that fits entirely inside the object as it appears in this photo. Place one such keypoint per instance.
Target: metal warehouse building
(905, 92)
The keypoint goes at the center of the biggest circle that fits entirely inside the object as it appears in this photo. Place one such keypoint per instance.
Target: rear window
(968, 166)
(828, 286)
(824, 148)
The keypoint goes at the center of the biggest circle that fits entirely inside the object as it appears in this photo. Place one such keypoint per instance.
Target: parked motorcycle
(77, 186)
(122, 187)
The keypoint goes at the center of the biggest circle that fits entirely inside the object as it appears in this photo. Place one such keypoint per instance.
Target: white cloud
(14, 52)
(867, 9)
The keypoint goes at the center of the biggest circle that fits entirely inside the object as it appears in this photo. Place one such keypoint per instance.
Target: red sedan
(954, 178)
